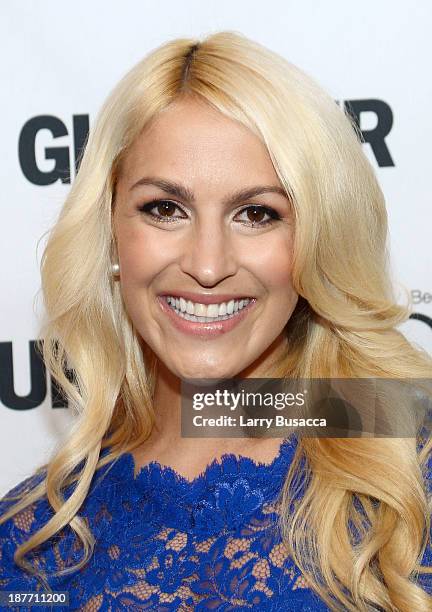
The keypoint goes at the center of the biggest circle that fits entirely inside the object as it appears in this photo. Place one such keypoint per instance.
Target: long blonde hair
(344, 324)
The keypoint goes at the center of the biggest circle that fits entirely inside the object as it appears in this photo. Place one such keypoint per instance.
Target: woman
(221, 182)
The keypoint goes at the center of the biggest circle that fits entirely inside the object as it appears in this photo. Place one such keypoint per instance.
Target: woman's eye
(253, 215)
(165, 209)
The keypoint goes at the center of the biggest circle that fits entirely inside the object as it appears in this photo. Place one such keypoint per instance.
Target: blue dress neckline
(228, 491)
(163, 542)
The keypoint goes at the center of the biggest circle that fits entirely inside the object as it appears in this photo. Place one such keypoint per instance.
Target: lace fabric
(166, 543)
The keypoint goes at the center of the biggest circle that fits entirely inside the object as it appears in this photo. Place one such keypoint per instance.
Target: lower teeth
(189, 317)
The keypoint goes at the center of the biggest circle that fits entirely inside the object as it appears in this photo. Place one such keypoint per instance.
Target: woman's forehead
(192, 139)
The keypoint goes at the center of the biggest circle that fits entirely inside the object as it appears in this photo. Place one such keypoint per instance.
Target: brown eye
(165, 208)
(164, 211)
(255, 214)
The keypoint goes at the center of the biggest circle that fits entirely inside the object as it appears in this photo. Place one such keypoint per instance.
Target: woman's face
(182, 227)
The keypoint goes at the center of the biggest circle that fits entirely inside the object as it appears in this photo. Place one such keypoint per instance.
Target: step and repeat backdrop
(59, 62)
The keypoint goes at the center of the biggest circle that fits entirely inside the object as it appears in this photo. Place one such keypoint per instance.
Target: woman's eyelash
(147, 208)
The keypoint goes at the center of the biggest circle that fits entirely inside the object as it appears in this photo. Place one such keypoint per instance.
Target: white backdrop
(59, 62)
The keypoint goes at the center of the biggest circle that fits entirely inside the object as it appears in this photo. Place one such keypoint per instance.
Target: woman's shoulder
(18, 491)
(425, 579)
(22, 525)
(17, 529)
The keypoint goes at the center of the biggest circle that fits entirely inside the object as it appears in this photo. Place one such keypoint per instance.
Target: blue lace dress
(166, 543)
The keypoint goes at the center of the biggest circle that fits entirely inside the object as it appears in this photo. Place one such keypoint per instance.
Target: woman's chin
(206, 372)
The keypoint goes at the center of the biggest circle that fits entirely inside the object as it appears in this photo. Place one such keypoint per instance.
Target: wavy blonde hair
(344, 324)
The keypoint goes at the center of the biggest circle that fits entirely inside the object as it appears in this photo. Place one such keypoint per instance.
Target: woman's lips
(205, 330)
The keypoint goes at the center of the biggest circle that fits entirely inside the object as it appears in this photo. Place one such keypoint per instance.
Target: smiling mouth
(210, 313)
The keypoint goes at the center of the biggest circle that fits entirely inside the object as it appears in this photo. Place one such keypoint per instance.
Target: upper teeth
(207, 310)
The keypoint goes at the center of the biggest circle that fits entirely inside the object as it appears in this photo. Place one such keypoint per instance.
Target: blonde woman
(219, 181)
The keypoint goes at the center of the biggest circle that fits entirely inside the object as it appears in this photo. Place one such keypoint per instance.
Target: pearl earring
(115, 269)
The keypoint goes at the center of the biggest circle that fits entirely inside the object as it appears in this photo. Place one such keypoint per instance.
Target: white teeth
(212, 310)
(200, 310)
(206, 312)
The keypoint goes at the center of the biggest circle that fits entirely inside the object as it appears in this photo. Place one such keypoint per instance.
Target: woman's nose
(208, 253)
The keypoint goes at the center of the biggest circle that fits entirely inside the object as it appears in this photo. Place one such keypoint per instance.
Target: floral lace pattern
(165, 543)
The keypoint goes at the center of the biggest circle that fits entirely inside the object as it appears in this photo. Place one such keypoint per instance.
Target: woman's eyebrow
(180, 191)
